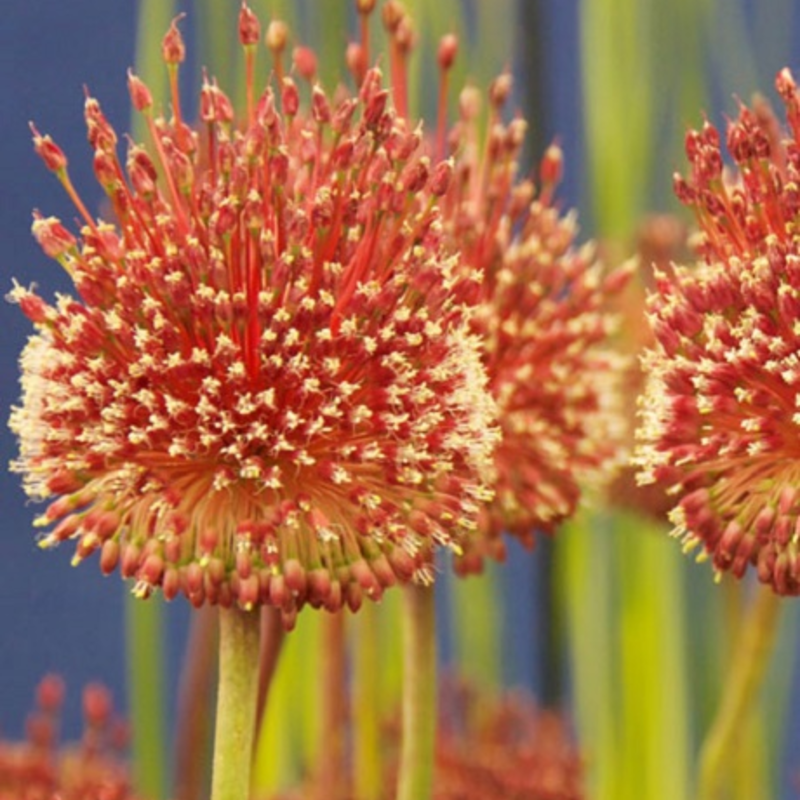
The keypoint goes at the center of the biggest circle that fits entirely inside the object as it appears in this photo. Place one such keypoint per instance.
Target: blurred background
(608, 620)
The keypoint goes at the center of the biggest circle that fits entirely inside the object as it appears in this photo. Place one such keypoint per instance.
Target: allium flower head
(266, 389)
(544, 319)
(720, 415)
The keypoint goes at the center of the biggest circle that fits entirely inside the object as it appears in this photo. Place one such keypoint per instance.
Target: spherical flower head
(720, 423)
(42, 767)
(544, 320)
(267, 389)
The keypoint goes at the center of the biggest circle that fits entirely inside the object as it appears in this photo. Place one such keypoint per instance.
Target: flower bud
(448, 48)
(277, 35)
(249, 26)
(173, 49)
(141, 97)
(52, 155)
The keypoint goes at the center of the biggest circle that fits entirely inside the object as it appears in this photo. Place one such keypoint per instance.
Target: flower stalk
(415, 781)
(236, 702)
(750, 660)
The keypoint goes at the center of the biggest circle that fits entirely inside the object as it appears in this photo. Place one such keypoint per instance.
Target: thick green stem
(367, 762)
(750, 659)
(415, 781)
(236, 703)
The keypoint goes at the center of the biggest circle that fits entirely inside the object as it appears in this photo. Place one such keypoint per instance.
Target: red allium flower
(266, 389)
(543, 315)
(544, 320)
(720, 414)
(40, 768)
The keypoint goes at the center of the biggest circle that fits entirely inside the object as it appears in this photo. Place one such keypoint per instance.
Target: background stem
(750, 659)
(415, 781)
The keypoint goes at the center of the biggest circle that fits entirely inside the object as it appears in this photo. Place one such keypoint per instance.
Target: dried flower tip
(52, 155)
(249, 26)
(173, 49)
(448, 48)
(277, 36)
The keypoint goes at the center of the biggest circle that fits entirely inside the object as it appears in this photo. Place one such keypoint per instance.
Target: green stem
(236, 703)
(144, 628)
(750, 659)
(367, 772)
(419, 694)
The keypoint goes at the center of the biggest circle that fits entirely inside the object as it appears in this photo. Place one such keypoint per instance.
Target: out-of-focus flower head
(489, 747)
(40, 768)
(661, 240)
(504, 747)
(267, 389)
(543, 317)
(720, 420)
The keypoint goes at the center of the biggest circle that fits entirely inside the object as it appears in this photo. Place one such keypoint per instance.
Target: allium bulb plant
(267, 389)
(720, 414)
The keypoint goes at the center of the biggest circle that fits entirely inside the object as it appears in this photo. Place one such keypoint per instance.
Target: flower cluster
(499, 747)
(720, 415)
(268, 388)
(544, 319)
(40, 769)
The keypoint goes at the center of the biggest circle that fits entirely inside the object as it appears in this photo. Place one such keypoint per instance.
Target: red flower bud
(448, 48)
(52, 155)
(141, 97)
(173, 49)
(249, 26)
